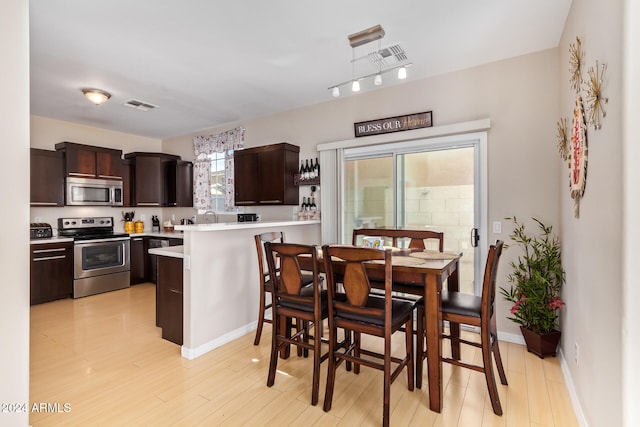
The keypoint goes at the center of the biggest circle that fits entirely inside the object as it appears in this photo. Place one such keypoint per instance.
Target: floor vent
(139, 105)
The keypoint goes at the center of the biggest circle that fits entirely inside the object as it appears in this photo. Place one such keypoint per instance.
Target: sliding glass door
(430, 185)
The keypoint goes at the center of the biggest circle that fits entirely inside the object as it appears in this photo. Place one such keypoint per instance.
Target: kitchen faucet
(215, 215)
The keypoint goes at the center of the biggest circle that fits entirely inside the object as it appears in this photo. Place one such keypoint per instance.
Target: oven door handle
(106, 239)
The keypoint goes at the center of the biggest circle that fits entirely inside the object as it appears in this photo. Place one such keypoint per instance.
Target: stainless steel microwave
(93, 192)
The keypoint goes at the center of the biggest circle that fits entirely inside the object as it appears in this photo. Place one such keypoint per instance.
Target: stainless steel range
(101, 256)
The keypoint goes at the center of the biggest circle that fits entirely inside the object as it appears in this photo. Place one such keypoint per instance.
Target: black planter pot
(542, 345)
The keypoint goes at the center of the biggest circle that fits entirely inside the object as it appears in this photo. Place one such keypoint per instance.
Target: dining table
(422, 273)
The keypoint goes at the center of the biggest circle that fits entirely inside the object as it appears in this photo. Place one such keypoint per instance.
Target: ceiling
(204, 63)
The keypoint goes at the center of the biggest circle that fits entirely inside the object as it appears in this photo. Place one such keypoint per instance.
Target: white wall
(592, 244)
(519, 95)
(14, 252)
(631, 207)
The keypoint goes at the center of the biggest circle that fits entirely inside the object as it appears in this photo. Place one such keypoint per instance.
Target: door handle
(475, 237)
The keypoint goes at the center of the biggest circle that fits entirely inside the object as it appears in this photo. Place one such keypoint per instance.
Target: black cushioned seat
(399, 310)
(462, 304)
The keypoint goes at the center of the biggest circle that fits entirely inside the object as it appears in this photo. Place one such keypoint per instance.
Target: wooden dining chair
(416, 237)
(479, 311)
(291, 299)
(263, 274)
(363, 313)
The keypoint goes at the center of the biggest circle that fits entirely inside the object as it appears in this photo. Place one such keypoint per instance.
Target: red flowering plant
(537, 277)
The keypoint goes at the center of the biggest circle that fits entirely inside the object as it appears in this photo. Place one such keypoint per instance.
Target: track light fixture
(383, 59)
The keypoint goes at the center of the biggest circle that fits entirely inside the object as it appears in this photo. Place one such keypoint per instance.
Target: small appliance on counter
(155, 223)
(40, 230)
(247, 217)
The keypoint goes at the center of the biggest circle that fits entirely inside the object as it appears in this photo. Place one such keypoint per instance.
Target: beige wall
(46, 133)
(631, 207)
(592, 244)
(519, 95)
(14, 174)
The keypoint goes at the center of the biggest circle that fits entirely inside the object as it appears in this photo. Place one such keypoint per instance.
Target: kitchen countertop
(170, 251)
(51, 240)
(172, 234)
(242, 225)
(166, 234)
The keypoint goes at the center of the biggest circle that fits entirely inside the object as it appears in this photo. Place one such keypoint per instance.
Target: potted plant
(536, 279)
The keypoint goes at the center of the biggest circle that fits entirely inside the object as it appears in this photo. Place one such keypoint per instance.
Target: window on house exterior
(218, 180)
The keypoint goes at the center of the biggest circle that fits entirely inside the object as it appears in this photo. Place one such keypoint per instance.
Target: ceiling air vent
(139, 105)
(389, 56)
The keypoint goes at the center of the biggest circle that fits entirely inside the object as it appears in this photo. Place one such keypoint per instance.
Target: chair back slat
(355, 280)
(416, 237)
(489, 280)
(356, 283)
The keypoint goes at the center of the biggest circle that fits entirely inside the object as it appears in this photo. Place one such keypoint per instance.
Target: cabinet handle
(110, 176)
(41, 251)
(90, 175)
(175, 291)
(48, 258)
(147, 204)
(44, 204)
(270, 201)
(136, 238)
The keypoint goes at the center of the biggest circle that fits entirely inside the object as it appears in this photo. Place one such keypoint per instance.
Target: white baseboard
(509, 337)
(192, 353)
(577, 408)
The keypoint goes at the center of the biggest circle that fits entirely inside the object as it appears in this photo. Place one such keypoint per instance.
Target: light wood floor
(104, 358)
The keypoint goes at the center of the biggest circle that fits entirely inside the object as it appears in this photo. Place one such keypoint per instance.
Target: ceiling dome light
(402, 73)
(377, 80)
(335, 92)
(355, 86)
(96, 96)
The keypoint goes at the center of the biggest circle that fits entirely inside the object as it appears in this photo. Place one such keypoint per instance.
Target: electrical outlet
(497, 227)
(577, 352)
(143, 217)
(37, 219)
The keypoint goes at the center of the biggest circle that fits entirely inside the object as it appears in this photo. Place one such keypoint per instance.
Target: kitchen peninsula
(221, 282)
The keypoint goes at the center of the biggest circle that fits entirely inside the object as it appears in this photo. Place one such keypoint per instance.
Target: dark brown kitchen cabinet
(179, 183)
(47, 178)
(126, 167)
(169, 298)
(149, 173)
(51, 271)
(87, 161)
(138, 259)
(265, 175)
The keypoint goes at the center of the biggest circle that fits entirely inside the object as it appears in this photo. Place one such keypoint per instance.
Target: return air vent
(139, 105)
(389, 56)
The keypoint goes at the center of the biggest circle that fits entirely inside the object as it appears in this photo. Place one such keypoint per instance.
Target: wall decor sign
(577, 156)
(393, 124)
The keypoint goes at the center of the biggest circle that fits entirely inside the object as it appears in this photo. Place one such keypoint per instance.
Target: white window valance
(205, 145)
(209, 144)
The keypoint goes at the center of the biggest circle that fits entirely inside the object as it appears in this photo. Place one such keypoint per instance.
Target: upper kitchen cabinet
(264, 175)
(179, 183)
(87, 161)
(160, 179)
(47, 178)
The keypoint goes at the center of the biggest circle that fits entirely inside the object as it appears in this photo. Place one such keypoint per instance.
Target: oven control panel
(64, 223)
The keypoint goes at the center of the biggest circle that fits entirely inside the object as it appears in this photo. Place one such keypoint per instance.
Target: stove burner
(88, 228)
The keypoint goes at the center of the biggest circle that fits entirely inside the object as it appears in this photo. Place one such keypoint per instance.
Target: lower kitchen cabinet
(51, 271)
(138, 259)
(169, 298)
